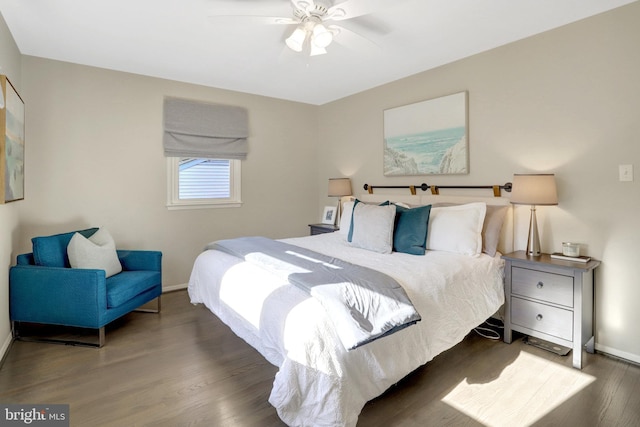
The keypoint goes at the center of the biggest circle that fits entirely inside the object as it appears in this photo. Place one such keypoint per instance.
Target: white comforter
(319, 383)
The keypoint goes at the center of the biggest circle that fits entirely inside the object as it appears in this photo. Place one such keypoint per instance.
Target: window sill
(184, 206)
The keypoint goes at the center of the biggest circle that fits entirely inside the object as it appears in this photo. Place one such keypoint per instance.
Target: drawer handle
(539, 317)
(540, 285)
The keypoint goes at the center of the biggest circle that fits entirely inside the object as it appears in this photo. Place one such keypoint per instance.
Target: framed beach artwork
(428, 137)
(11, 144)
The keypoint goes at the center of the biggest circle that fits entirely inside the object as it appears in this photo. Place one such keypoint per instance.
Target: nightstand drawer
(322, 228)
(554, 288)
(544, 318)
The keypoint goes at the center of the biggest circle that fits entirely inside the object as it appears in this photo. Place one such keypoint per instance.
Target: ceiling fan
(314, 22)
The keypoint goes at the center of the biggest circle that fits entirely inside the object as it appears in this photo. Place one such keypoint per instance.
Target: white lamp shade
(339, 187)
(534, 189)
(321, 36)
(296, 40)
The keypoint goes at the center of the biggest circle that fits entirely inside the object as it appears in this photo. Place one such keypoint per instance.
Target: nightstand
(550, 299)
(322, 228)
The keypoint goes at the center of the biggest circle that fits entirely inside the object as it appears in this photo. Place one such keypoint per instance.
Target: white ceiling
(186, 40)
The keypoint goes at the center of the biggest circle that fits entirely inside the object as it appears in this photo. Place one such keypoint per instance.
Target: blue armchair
(44, 289)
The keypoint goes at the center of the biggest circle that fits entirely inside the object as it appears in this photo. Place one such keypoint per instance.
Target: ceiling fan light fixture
(315, 50)
(296, 40)
(321, 36)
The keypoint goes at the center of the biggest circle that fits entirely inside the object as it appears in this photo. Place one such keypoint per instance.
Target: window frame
(173, 197)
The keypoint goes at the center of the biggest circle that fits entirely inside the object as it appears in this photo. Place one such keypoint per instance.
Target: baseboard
(172, 288)
(5, 347)
(618, 354)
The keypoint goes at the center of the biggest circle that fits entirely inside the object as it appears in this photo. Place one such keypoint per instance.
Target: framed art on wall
(12, 143)
(428, 137)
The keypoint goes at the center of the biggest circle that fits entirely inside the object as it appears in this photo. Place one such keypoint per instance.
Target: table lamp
(534, 190)
(339, 187)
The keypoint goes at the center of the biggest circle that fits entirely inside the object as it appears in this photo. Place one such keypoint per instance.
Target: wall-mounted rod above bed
(435, 189)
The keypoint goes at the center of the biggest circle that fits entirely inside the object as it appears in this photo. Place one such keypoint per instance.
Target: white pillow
(97, 252)
(373, 227)
(457, 228)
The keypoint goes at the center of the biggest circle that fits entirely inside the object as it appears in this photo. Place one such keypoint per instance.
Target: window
(195, 183)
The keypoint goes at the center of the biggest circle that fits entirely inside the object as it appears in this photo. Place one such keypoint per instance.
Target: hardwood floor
(185, 368)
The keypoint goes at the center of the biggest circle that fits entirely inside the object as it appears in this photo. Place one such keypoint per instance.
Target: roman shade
(203, 130)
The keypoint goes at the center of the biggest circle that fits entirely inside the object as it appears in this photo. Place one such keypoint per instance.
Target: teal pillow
(51, 251)
(410, 234)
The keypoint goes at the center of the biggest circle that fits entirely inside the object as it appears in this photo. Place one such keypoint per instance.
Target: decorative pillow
(410, 233)
(491, 229)
(97, 252)
(372, 227)
(457, 228)
(51, 251)
(347, 211)
(345, 219)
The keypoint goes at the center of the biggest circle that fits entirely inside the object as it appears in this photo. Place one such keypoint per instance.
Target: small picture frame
(329, 215)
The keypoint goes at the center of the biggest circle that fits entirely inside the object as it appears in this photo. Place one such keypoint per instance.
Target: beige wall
(10, 65)
(94, 158)
(567, 102)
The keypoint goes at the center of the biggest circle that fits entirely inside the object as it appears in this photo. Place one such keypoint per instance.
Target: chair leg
(101, 337)
(151, 310)
(15, 328)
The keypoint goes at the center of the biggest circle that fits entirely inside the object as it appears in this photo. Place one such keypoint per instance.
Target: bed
(321, 383)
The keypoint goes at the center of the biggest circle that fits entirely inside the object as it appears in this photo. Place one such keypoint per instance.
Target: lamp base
(533, 242)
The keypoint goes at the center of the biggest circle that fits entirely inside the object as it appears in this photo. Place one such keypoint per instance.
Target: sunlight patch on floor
(525, 391)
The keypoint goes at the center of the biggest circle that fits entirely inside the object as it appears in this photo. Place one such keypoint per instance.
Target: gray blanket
(363, 304)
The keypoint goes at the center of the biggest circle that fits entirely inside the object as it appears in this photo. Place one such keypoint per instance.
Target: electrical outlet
(626, 172)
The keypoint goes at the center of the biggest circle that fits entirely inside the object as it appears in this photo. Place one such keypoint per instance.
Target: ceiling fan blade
(251, 19)
(353, 40)
(252, 12)
(370, 24)
(353, 8)
(300, 4)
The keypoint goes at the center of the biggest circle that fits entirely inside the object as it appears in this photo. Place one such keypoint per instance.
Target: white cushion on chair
(96, 252)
